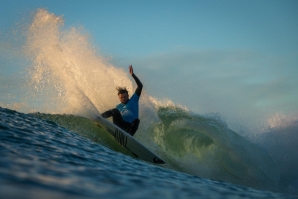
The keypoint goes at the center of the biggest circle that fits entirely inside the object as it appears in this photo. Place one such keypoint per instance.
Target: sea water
(51, 147)
(41, 159)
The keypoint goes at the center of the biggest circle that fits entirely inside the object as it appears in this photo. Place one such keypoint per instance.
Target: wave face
(197, 145)
(40, 158)
(68, 82)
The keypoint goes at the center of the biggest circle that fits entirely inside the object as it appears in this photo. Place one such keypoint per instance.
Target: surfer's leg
(134, 127)
(107, 114)
(116, 116)
(117, 119)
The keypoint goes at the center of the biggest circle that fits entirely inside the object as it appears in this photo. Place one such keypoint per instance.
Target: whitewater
(51, 147)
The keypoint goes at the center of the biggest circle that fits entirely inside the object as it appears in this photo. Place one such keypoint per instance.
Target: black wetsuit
(129, 126)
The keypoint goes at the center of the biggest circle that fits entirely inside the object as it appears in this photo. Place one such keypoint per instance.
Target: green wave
(199, 145)
(84, 127)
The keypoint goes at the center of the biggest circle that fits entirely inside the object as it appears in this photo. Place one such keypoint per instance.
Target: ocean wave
(199, 145)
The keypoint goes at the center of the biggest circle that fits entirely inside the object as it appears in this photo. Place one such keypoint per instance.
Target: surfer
(126, 114)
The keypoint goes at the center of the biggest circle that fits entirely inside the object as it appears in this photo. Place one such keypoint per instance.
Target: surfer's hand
(130, 69)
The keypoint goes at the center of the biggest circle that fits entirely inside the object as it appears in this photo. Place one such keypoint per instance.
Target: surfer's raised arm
(139, 83)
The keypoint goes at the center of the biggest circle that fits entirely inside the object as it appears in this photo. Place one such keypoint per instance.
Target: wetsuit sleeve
(139, 84)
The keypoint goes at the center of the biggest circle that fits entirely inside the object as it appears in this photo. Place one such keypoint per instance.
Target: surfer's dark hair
(121, 90)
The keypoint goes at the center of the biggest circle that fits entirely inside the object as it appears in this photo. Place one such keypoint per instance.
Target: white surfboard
(129, 142)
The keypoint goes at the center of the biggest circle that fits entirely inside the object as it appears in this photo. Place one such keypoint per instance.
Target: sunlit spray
(67, 74)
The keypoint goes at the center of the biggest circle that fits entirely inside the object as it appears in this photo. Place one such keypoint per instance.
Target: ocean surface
(59, 156)
(54, 83)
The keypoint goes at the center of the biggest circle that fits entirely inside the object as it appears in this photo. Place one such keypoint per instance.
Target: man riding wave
(126, 114)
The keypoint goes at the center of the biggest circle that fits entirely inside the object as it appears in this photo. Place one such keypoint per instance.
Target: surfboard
(129, 142)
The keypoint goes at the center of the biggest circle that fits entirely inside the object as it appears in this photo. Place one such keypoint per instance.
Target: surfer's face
(123, 98)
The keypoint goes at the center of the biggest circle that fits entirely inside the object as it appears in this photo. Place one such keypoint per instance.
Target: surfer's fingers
(130, 69)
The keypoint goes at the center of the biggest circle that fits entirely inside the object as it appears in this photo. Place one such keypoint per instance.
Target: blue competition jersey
(130, 110)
